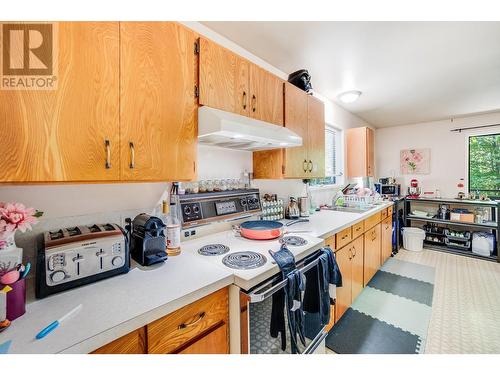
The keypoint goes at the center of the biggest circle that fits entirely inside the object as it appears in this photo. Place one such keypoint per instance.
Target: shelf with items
(455, 236)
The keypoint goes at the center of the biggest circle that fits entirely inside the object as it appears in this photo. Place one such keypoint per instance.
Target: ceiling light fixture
(349, 96)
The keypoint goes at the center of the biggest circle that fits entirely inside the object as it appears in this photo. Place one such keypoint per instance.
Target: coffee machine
(414, 190)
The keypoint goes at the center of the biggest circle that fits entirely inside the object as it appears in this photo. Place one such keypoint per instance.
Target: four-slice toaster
(72, 257)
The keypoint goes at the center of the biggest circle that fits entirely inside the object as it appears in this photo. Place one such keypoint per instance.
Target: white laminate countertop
(325, 223)
(115, 306)
(118, 305)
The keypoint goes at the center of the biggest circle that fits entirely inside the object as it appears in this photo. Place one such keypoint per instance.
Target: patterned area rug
(391, 315)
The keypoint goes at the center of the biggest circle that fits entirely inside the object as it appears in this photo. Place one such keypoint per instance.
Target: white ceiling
(408, 72)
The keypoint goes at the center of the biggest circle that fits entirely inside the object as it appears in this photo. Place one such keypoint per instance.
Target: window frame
(467, 167)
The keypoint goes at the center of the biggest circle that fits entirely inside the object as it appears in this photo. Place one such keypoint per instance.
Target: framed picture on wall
(415, 161)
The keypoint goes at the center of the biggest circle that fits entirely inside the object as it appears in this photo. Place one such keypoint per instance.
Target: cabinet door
(158, 108)
(60, 135)
(344, 293)
(224, 78)
(216, 342)
(296, 121)
(316, 137)
(357, 266)
(133, 343)
(266, 96)
(372, 252)
(355, 150)
(386, 239)
(370, 153)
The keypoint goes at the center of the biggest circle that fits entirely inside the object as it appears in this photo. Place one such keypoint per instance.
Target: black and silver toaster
(71, 257)
(147, 240)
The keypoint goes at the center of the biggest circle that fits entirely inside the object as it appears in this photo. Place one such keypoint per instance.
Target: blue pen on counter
(26, 270)
(56, 323)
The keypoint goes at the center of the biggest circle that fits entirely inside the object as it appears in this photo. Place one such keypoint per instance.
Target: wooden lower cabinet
(215, 342)
(372, 250)
(132, 343)
(344, 293)
(357, 265)
(386, 244)
(201, 327)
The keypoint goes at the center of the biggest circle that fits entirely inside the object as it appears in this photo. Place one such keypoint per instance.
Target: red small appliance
(414, 190)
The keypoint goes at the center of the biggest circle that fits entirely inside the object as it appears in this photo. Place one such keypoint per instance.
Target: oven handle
(315, 343)
(259, 297)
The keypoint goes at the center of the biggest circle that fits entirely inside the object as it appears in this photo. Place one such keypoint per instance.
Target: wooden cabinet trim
(132, 343)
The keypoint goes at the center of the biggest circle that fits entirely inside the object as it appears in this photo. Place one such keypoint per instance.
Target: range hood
(229, 130)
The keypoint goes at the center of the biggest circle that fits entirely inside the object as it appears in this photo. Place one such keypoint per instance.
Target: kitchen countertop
(326, 223)
(116, 306)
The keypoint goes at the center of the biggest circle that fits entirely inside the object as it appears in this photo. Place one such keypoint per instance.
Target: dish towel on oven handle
(291, 299)
(322, 283)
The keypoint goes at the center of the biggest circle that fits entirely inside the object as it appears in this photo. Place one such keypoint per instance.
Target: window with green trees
(484, 164)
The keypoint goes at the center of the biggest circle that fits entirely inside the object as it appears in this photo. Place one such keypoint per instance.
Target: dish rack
(356, 201)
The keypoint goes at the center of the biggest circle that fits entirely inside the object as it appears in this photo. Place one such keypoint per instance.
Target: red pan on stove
(263, 229)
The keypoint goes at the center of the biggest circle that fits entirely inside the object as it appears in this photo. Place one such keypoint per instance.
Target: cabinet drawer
(383, 214)
(358, 229)
(169, 333)
(372, 221)
(343, 237)
(330, 241)
(390, 211)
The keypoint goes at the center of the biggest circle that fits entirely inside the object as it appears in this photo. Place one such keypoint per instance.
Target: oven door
(256, 307)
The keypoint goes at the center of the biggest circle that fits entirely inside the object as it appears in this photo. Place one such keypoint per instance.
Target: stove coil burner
(244, 260)
(213, 250)
(294, 241)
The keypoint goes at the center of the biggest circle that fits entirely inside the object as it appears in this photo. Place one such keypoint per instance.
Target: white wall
(448, 150)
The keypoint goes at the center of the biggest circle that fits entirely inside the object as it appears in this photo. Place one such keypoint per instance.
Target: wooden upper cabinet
(266, 96)
(296, 120)
(316, 137)
(360, 159)
(304, 115)
(158, 107)
(60, 135)
(224, 79)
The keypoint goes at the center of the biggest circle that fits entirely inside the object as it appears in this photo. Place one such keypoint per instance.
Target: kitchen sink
(356, 210)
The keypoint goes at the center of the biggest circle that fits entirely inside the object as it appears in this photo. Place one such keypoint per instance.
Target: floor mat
(391, 315)
(358, 333)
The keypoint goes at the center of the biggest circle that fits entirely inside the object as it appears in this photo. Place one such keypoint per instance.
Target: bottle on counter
(173, 228)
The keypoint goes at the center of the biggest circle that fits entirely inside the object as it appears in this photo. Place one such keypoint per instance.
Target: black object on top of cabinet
(301, 79)
(147, 240)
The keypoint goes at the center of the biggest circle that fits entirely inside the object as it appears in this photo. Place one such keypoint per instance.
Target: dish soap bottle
(173, 229)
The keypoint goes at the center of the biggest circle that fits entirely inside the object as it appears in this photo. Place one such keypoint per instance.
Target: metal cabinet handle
(304, 165)
(355, 252)
(254, 103)
(352, 255)
(311, 163)
(245, 100)
(132, 155)
(108, 154)
(196, 321)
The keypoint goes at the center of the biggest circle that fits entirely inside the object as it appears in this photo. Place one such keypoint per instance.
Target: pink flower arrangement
(14, 216)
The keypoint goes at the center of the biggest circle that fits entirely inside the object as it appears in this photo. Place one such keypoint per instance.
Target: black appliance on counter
(147, 240)
(71, 257)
